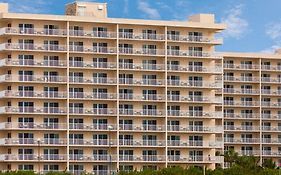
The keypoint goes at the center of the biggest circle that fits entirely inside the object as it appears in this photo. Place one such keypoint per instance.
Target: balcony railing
(195, 159)
(94, 111)
(194, 143)
(94, 34)
(92, 80)
(241, 128)
(196, 39)
(141, 51)
(139, 82)
(196, 54)
(198, 99)
(240, 91)
(32, 94)
(141, 36)
(195, 114)
(33, 78)
(204, 69)
(32, 110)
(33, 141)
(130, 127)
(92, 49)
(271, 128)
(32, 31)
(90, 126)
(242, 79)
(33, 126)
(130, 142)
(142, 97)
(141, 112)
(91, 95)
(271, 68)
(241, 103)
(270, 104)
(193, 128)
(94, 142)
(32, 157)
(270, 92)
(94, 157)
(241, 66)
(241, 140)
(33, 47)
(132, 66)
(203, 84)
(33, 63)
(97, 65)
(242, 116)
(270, 80)
(270, 116)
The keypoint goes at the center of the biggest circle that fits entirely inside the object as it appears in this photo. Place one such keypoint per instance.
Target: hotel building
(84, 92)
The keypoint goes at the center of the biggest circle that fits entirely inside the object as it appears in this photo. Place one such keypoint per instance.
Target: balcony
(195, 99)
(32, 31)
(270, 92)
(241, 128)
(241, 79)
(241, 91)
(265, 116)
(197, 69)
(33, 142)
(32, 110)
(192, 54)
(141, 51)
(271, 128)
(141, 143)
(33, 126)
(91, 127)
(241, 103)
(92, 80)
(92, 142)
(270, 80)
(92, 49)
(195, 84)
(193, 128)
(131, 127)
(92, 111)
(193, 114)
(142, 158)
(92, 96)
(195, 159)
(140, 36)
(142, 82)
(271, 104)
(92, 34)
(271, 141)
(142, 112)
(33, 47)
(33, 78)
(242, 140)
(194, 143)
(249, 152)
(146, 67)
(91, 158)
(141, 97)
(271, 68)
(33, 63)
(242, 115)
(194, 39)
(241, 66)
(33, 157)
(33, 94)
(92, 65)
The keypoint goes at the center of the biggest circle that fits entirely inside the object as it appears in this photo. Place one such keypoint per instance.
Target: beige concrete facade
(84, 92)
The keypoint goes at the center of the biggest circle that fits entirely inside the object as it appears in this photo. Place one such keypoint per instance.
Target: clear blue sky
(254, 25)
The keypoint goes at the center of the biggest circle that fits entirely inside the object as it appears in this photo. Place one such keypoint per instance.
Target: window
(126, 33)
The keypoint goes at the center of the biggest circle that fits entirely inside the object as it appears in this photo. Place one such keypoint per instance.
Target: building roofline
(215, 26)
(250, 55)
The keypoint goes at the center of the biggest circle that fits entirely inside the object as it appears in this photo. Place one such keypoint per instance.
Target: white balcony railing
(202, 84)
(32, 110)
(91, 95)
(33, 47)
(141, 51)
(94, 34)
(195, 54)
(132, 66)
(32, 94)
(131, 142)
(198, 99)
(96, 65)
(32, 31)
(141, 97)
(32, 63)
(141, 36)
(195, 114)
(193, 128)
(196, 39)
(139, 82)
(33, 78)
(131, 127)
(203, 69)
(91, 80)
